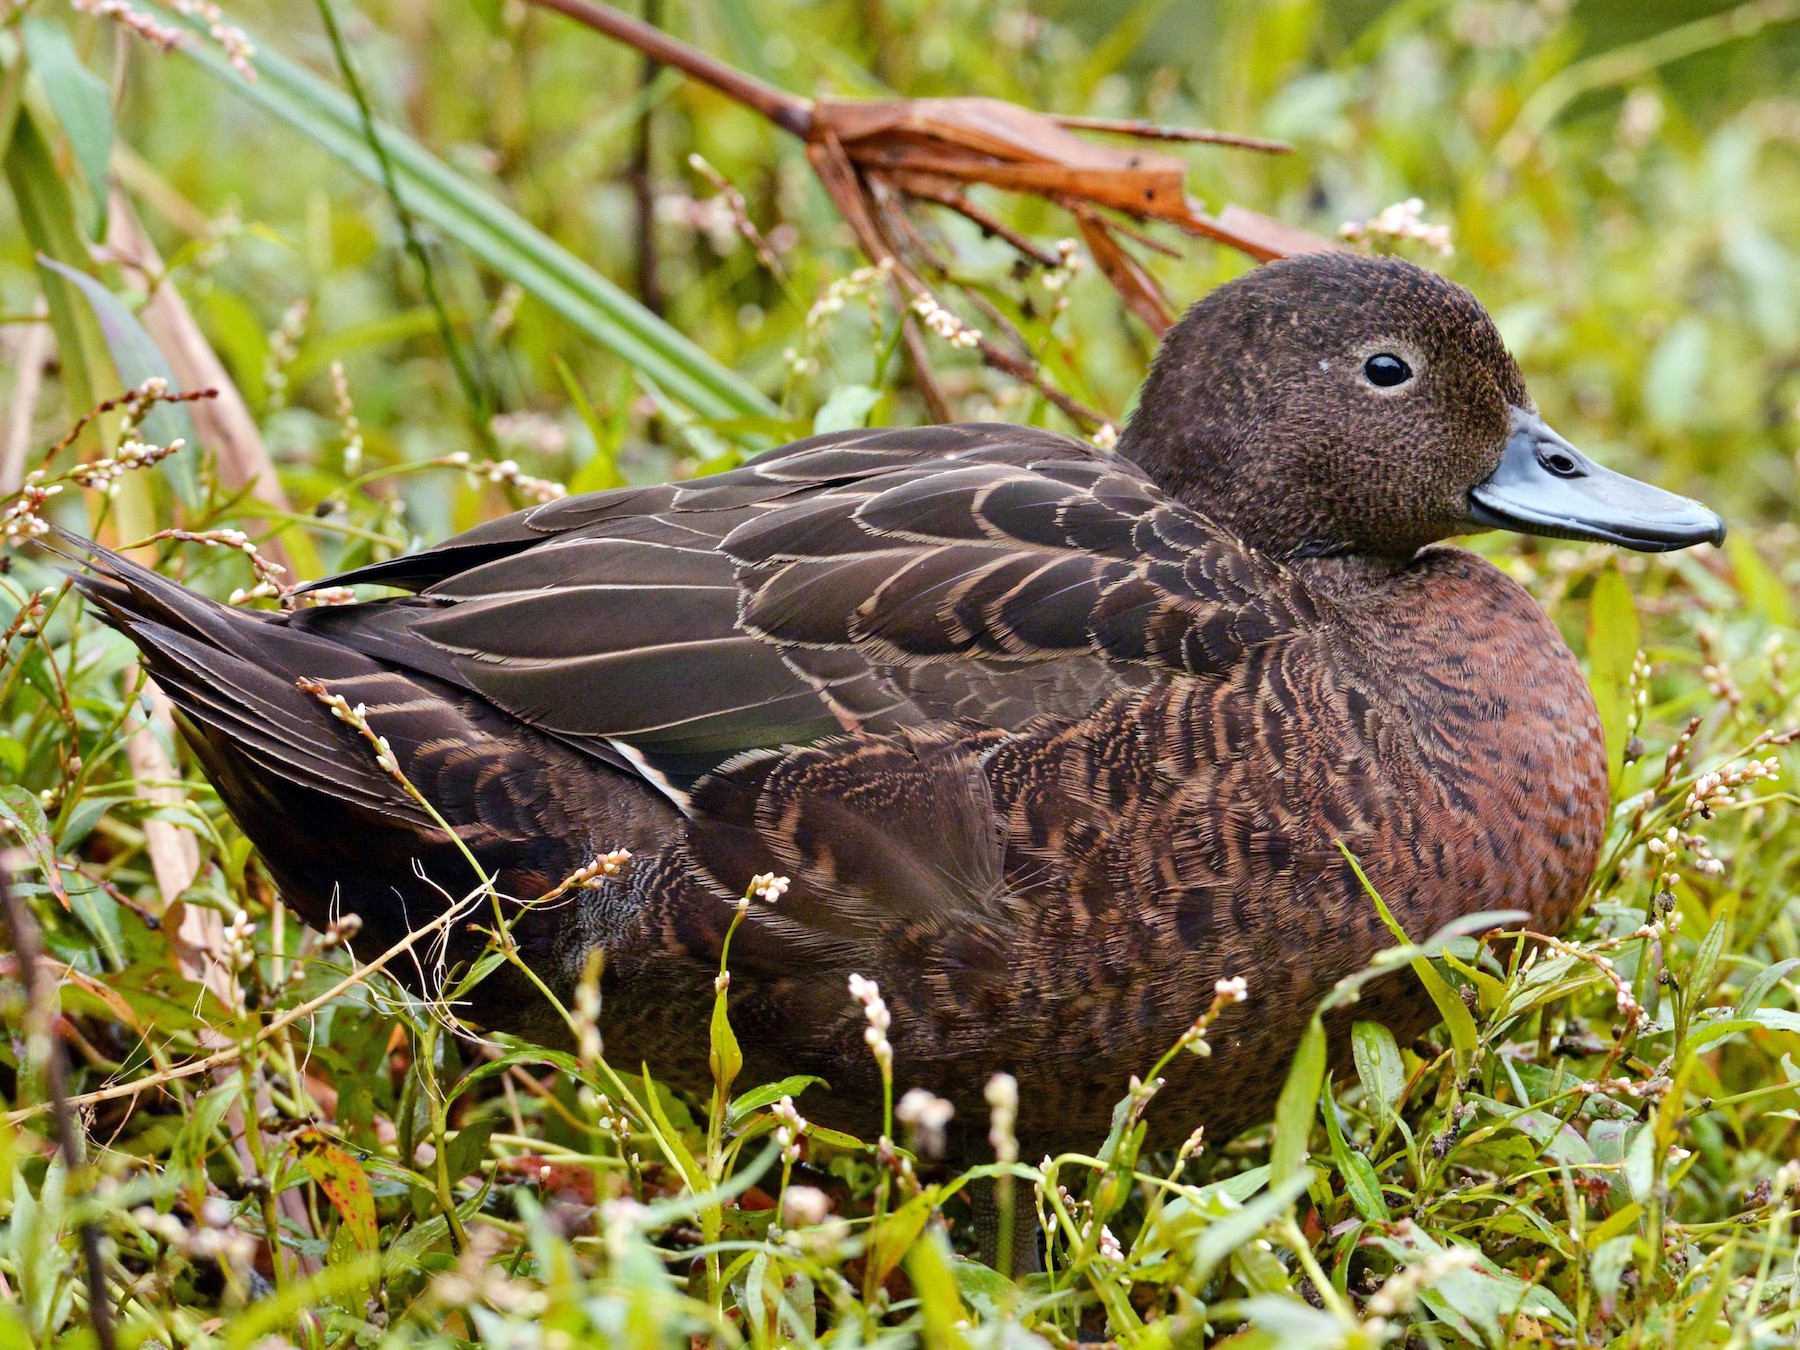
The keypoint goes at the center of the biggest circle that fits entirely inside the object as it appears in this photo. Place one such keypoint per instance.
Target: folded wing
(867, 581)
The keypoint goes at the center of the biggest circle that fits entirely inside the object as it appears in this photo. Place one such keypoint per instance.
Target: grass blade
(494, 233)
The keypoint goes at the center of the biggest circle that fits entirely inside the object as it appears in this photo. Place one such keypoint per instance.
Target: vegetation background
(281, 1148)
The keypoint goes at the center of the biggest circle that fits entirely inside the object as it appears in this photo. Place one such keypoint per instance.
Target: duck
(1049, 741)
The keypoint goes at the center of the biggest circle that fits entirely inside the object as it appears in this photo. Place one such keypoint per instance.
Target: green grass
(284, 1144)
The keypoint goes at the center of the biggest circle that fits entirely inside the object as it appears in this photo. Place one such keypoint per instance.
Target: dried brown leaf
(1136, 287)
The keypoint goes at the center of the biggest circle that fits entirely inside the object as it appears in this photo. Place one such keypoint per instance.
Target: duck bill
(1544, 485)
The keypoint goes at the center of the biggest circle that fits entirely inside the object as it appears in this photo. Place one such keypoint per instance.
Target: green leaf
(1378, 1066)
(1640, 1163)
(1550, 1134)
(1614, 1224)
(1549, 980)
(1284, 1322)
(20, 808)
(894, 1235)
(410, 1250)
(1260, 1271)
(820, 1134)
(205, 1114)
(768, 1094)
(1705, 964)
(1359, 1176)
(1457, 1019)
(1614, 636)
(1299, 1097)
(1704, 1034)
(983, 1286)
(79, 99)
(1218, 1240)
(602, 471)
(847, 409)
(48, 218)
(1479, 1300)
(492, 232)
(1764, 592)
(136, 358)
(1608, 1262)
(726, 1058)
(1700, 1324)
(1759, 988)
(933, 1273)
(467, 1151)
(669, 1139)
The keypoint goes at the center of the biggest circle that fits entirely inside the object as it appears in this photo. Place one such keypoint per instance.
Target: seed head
(804, 1206)
(768, 887)
(927, 1114)
(1002, 1093)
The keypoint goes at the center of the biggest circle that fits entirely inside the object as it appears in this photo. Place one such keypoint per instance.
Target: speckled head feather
(1259, 411)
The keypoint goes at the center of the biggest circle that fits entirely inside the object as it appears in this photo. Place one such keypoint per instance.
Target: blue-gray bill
(1546, 486)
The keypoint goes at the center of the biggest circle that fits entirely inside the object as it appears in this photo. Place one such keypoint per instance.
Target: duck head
(1334, 403)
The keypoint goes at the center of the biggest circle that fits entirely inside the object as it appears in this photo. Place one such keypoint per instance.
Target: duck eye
(1384, 370)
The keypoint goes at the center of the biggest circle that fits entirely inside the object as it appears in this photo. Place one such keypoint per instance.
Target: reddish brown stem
(848, 192)
(921, 187)
(786, 110)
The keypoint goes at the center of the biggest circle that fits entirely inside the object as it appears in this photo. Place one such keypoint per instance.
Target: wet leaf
(1379, 1067)
(344, 1182)
(1614, 636)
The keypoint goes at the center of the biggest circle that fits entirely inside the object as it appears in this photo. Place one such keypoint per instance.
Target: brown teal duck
(1048, 739)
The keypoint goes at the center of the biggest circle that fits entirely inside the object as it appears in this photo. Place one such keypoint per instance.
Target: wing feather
(864, 581)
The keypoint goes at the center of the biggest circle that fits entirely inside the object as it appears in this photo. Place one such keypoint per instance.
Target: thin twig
(641, 177)
(900, 226)
(1155, 131)
(955, 199)
(43, 1044)
(231, 1054)
(786, 110)
(1075, 207)
(850, 195)
(936, 404)
(137, 400)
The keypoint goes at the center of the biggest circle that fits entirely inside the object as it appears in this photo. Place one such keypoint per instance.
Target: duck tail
(246, 689)
(238, 677)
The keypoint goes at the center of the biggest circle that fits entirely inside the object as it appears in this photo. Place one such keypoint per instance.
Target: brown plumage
(1048, 739)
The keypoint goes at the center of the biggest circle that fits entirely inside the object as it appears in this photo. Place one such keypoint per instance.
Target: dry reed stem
(174, 852)
(223, 422)
(231, 1054)
(28, 383)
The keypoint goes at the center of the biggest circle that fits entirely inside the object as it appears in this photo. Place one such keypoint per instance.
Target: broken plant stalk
(874, 156)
